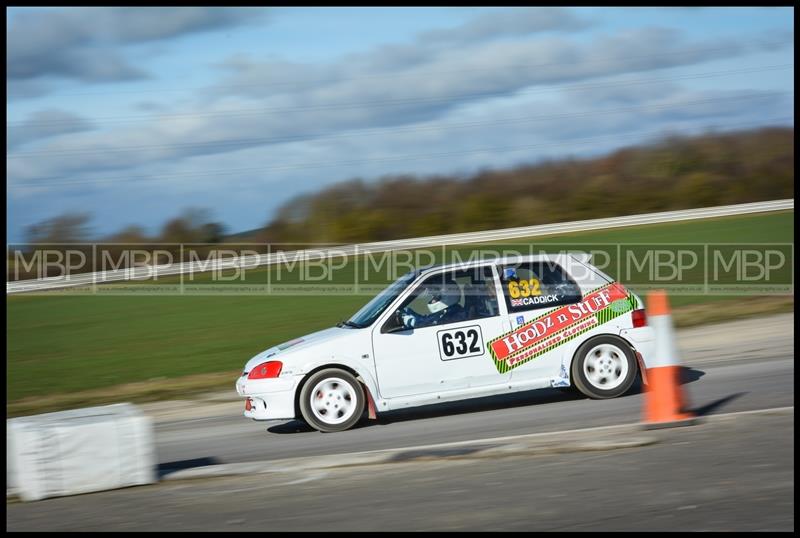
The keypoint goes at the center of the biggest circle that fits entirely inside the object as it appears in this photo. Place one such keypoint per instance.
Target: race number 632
(460, 343)
(524, 288)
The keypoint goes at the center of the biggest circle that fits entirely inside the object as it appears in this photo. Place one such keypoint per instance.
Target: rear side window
(536, 285)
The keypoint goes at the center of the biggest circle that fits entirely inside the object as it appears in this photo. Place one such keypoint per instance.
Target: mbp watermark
(323, 269)
(757, 268)
(221, 265)
(47, 263)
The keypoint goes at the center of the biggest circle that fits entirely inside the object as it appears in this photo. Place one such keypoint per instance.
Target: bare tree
(66, 228)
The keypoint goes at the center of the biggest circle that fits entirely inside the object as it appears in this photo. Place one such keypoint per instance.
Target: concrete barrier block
(80, 451)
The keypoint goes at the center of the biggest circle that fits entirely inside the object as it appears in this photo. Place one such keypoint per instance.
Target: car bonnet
(282, 351)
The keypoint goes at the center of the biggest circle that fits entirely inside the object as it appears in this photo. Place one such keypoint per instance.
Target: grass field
(62, 345)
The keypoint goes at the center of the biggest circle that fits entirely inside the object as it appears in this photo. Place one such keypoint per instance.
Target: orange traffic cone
(664, 400)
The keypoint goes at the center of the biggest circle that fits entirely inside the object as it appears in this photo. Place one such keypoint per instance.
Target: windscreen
(370, 311)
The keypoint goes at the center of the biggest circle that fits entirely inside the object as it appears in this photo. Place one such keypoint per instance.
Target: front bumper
(269, 399)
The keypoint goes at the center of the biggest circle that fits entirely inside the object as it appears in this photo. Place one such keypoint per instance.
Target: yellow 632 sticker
(524, 288)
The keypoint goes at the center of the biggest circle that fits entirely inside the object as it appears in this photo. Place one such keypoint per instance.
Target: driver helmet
(443, 295)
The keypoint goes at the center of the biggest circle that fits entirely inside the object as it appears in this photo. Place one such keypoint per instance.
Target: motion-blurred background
(267, 128)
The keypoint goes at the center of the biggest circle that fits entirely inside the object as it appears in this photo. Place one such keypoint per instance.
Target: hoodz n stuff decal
(550, 330)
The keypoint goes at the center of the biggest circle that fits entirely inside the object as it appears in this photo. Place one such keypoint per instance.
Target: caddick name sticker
(544, 333)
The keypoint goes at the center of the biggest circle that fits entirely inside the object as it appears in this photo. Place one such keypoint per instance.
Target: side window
(452, 297)
(534, 285)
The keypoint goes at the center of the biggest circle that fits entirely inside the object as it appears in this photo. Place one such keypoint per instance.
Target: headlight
(266, 370)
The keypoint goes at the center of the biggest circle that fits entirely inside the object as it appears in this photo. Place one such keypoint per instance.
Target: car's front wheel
(332, 400)
(604, 367)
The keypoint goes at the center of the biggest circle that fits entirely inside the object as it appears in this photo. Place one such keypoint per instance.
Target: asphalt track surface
(740, 366)
(732, 473)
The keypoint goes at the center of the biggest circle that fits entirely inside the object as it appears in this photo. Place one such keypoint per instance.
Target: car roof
(582, 257)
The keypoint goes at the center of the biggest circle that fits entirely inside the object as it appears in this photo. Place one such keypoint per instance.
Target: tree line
(677, 172)
(674, 173)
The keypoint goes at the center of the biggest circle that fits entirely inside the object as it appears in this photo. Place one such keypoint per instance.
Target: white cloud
(397, 101)
(85, 44)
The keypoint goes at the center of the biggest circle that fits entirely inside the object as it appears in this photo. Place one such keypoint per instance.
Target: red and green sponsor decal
(561, 325)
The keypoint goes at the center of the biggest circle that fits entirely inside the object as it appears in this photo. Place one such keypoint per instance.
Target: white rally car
(452, 332)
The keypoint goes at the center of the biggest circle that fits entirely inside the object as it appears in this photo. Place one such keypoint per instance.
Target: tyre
(604, 367)
(332, 400)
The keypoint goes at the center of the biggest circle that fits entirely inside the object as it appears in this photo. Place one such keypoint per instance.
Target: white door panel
(444, 353)
(437, 359)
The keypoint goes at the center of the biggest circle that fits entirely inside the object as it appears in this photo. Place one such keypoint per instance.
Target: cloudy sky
(134, 114)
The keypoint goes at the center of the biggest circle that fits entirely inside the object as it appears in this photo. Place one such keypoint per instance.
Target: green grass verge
(60, 345)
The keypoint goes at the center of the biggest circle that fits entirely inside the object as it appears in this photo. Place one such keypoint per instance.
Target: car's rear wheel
(332, 400)
(604, 367)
